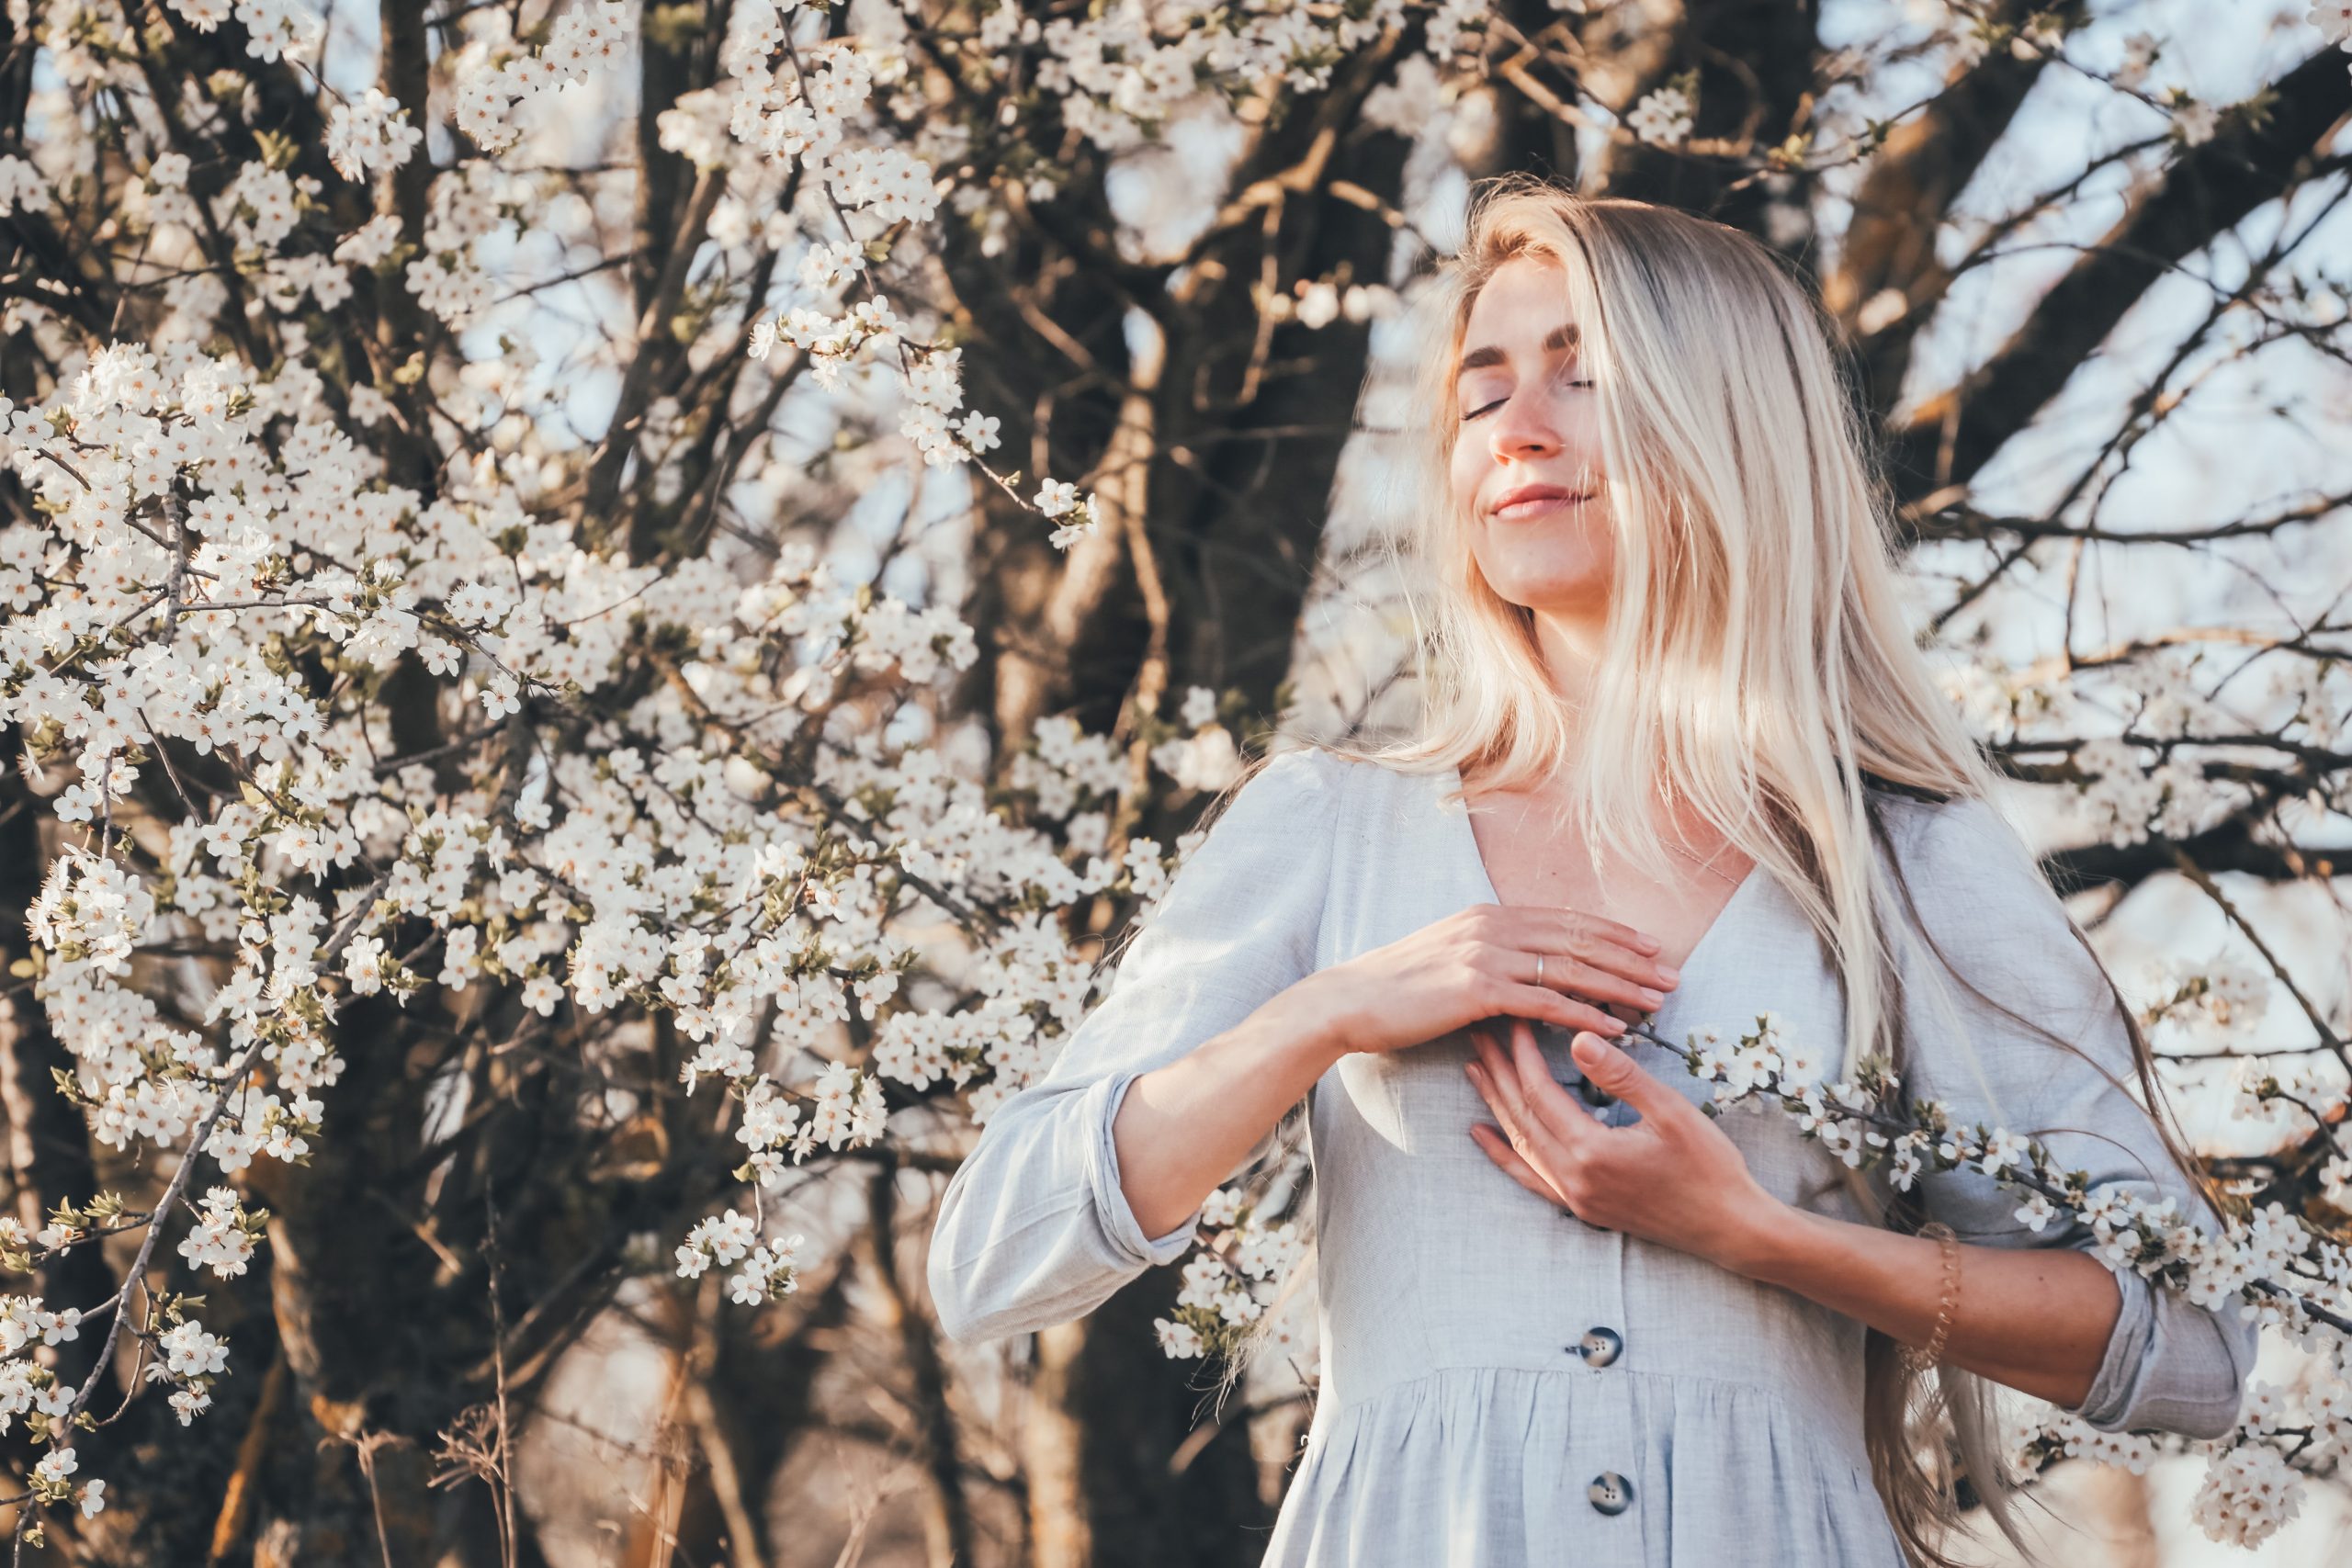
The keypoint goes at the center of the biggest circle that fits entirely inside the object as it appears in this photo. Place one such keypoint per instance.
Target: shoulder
(1919, 822)
(1311, 791)
(1966, 881)
(1306, 777)
(1303, 779)
(1280, 810)
(1960, 850)
(1254, 867)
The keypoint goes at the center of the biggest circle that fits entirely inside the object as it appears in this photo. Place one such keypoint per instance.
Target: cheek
(1467, 466)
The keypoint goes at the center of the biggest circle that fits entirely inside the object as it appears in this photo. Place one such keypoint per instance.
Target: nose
(1522, 428)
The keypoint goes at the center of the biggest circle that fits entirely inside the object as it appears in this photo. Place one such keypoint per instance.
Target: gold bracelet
(1916, 1359)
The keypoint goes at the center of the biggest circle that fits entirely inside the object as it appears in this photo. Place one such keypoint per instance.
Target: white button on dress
(1504, 1384)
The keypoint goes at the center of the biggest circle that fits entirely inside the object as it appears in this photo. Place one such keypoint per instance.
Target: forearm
(2037, 1319)
(1183, 1129)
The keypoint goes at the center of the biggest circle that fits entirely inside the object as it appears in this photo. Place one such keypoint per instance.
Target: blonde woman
(1566, 1316)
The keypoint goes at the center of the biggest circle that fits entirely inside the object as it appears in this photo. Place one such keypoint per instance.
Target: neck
(1571, 642)
(1571, 648)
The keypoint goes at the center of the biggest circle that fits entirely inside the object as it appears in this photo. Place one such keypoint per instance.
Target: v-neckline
(1494, 895)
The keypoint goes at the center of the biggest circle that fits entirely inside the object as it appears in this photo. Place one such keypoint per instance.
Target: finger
(1520, 997)
(1539, 1106)
(1489, 1073)
(1615, 1071)
(1498, 1149)
(1565, 972)
(1484, 1083)
(1603, 944)
(1601, 929)
(1589, 939)
(1488, 1049)
(1638, 964)
(1546, 1101)
(1498, 1086)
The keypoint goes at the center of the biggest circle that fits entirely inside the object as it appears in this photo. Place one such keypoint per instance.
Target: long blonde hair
(1756, 669)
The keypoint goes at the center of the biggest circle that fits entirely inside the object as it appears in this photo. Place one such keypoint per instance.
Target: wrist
(1316, 1018)
(1772, 1245)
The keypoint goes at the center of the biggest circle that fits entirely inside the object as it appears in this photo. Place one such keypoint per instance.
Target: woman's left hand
(1674, 1177)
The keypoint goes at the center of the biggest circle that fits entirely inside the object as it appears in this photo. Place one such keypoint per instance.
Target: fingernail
(1616, 1024)
(1673, 976)
(1652, 998)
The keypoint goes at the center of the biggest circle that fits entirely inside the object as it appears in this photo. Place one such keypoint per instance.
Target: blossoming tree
(604, 603)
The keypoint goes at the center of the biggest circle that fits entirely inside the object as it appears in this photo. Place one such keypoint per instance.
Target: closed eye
(1498, 402)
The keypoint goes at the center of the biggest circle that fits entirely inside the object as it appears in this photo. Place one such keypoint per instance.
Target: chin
(1554, 596)
(1576, 587)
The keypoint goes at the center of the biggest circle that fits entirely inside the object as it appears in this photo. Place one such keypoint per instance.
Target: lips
(1525, 496)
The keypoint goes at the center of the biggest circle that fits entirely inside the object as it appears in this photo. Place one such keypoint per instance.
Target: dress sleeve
(1035, 1229)
(2170, 1364)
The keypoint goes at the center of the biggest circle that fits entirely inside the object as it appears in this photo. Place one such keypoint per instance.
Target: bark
(1214, 465)
(1137, 1507)
(947, 1512)
(406, 192)
(1925, 163)
(2204, 193)
(743, 1397)
(1216, 460)
(361, 1320)
(50, 1158)
(1057, 392)
(1755, 59)
(1239, 503)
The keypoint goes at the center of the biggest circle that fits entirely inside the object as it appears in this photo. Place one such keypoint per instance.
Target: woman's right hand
(1479, 962)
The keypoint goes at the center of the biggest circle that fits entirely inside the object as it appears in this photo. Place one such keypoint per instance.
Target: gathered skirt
(1505, 1467)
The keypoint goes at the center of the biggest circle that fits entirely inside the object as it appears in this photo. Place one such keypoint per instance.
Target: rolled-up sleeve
(2011, 961)
(1035, 1228)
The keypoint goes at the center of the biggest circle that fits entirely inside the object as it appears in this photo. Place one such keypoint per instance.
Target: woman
(1708, 777)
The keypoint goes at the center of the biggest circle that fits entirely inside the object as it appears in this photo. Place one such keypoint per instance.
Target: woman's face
(1528, 420)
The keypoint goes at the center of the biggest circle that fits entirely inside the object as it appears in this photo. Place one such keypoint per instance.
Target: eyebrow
(1565, 335)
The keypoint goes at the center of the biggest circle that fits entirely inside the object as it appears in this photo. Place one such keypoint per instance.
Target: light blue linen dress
(1504, 1384)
